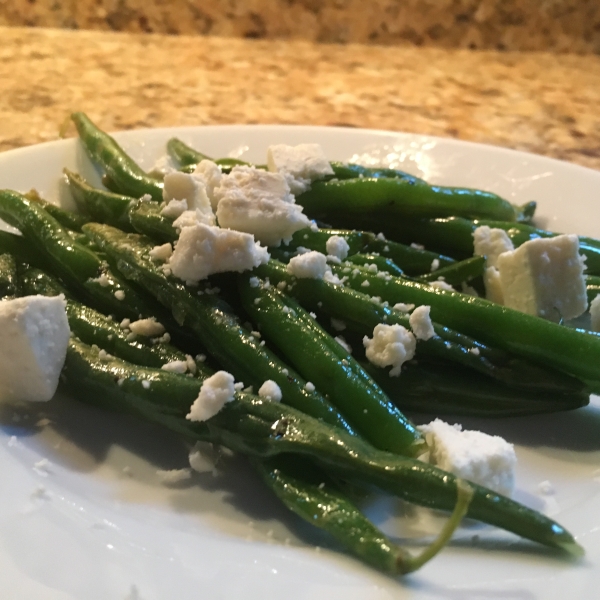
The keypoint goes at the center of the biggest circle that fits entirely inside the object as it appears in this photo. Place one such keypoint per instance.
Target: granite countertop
(540, 102)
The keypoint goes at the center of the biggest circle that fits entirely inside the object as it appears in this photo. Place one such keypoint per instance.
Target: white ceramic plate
(94, 521)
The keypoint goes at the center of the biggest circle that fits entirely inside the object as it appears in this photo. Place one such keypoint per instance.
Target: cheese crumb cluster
(391, 345)
(300, 165)
(487, 460)
(420, 323)
(226, 220)
(216, 391)
(270, 391)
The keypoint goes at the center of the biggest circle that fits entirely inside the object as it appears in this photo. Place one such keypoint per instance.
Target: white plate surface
(95, 523)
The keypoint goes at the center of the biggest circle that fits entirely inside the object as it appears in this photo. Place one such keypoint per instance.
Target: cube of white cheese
(544, 277)
(270, 221)
(34, 338)
(300, 165)
(203, 250)
(487, 460)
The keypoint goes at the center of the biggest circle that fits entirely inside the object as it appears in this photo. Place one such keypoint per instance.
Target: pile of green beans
(340, 417)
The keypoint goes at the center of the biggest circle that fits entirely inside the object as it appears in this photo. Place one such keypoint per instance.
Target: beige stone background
(546, 25)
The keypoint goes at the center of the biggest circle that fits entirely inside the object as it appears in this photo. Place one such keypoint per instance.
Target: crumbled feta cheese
(103, 280)
(417, 246)
(441, 285)
(203, 250)
(254, 282)
(343, 343)
(120, 295)
(435, 264)
(104, 355)
(338, 324)
(253, 184)
(311, 265)
(546, 488)
(35, 335)
(420, 323)
(216, 391)
(203, 457)
(161, 253)
(174, 208)
(544, 277)
(163, 165)
(493, 285)
(309, 386)
(337, 246)
(174, 476)
(330, 277)
(210, 175)
(270, 220)
(391, 345)
(365, 283)
(182, 186)
(270, 391)
(175, 366)
(491, 242)
(402, 307)
(595, 313)
(189, 218)
(301, 164)
(147, 327)
(483, 459)
(191, 364)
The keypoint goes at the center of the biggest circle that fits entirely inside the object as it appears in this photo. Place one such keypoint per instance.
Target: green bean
(314, 496)
(319, 358)
(457, 273)
(394, 198)
(361, 314)
(146, 218)
(213, 322)
(413, 261)
(575, 352)
(188, 158)
(9, 285)
(102, 149)
(94, 328)
(68, 219)
(266, 429)
(101, 205)
(382, 264)
(454, 235)
(443, 388)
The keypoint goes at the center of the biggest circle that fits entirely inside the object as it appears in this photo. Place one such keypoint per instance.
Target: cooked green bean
(120, 168)
(266, 429)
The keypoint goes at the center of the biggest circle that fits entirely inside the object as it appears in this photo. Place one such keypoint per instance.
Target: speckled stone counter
(539, 102)
(546, 25)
